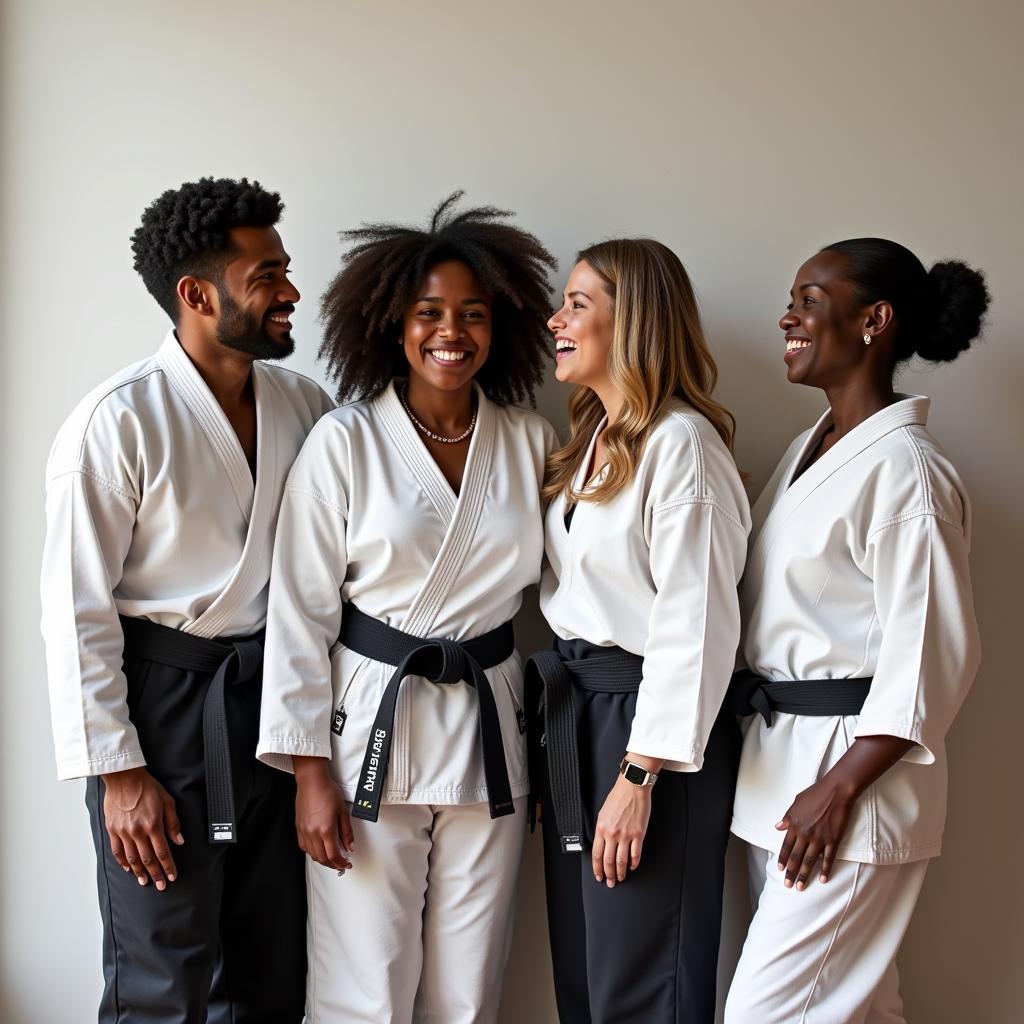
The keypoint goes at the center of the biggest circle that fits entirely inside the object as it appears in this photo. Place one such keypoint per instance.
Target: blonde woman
(645, 536)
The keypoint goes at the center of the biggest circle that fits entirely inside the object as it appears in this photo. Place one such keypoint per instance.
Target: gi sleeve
(303, 622)
(89, 524)
(697, 552)
(930, 648)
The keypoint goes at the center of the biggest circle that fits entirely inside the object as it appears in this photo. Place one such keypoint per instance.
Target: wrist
(650, 764)
(125, 775)
(310, 769)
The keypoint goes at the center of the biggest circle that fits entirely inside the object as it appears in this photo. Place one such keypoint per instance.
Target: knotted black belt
(547, 672)
(440, 661)
(751, 694)
(232, 661)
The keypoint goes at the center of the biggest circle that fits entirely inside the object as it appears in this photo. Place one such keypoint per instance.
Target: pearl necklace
(429, 433)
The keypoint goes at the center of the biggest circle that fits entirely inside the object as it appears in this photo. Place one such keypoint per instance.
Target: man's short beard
(247, 332)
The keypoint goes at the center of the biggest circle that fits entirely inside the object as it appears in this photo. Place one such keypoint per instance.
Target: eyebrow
(811, 284)
(271, 264)
(439, 300)
(578, 292)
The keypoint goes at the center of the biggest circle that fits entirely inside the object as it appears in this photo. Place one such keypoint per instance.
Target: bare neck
(227, 373)
(855, 401)
(445, 412)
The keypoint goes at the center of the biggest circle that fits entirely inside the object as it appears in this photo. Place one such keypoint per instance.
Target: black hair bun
(959, 301)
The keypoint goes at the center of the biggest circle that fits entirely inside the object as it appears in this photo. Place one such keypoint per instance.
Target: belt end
(364, 810)
(222, 832)
(572, 844)
(505, 807)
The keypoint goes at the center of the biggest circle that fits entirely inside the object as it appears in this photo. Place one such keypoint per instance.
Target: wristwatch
(634, 773)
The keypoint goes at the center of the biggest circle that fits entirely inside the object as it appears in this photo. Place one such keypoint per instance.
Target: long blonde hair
(658, 353)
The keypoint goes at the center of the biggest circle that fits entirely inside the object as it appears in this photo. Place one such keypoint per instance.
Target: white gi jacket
(859, 568)
(152, 512)
(368, 517)
(654, 571)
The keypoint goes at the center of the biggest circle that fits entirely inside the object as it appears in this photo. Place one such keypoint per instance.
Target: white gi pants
(420, 928)
(825, 955)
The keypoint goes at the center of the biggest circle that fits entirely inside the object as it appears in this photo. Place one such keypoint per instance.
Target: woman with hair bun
(859, 641)
(646, 535)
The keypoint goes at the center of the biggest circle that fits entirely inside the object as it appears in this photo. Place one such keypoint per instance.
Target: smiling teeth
(279, 319)
(793, 345)
(447, 356)
(566, 346)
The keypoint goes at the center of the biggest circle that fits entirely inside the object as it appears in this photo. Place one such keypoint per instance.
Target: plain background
(744, 135)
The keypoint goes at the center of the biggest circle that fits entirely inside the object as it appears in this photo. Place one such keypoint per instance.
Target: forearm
(867, 760)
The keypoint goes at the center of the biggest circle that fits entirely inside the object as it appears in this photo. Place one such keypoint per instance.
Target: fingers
(345, 830)
(134, 861)
(622, 858)
(611, 848)
(333, 854)
(172, 825)
(117, 849)
(314, 847)
(150, 861)
(597, 856)
(828, 858)
(801, 861)
(635, 849)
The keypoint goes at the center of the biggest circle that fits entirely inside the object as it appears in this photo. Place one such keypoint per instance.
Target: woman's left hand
(620, 830)
(814, 824)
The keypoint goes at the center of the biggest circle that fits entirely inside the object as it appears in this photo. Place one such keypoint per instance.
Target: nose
(788, 320)
(450, 326)
(288, 292)
(557, 320)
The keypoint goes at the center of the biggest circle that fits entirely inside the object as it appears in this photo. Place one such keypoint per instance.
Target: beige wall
(744, 135)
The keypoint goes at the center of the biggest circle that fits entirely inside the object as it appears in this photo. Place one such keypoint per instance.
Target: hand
(814, 824)
(817, 820)
(139, 815)
(619, 834)
(321, 814)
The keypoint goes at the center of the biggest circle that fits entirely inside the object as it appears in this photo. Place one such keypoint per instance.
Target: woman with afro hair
(410, 526)
(859, 641)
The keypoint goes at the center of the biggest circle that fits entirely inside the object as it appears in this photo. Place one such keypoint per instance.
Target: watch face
(635, 774)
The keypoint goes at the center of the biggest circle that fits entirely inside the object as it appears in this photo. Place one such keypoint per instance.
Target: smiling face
(446, 332)
(256, 297)
(824, 325)
(584, 329)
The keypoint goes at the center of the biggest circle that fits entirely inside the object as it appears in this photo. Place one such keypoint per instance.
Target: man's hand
(139, 815)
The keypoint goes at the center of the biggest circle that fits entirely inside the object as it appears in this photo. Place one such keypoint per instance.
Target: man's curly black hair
(362, 308)
(185, 232)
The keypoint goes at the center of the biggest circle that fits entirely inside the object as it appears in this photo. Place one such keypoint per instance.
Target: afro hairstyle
(363, 307)
(185, 232)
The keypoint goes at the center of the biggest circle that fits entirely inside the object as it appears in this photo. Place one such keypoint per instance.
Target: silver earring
(867, 339)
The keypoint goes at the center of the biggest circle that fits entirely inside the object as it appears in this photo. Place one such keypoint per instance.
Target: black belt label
(338, 722)
(373, 762)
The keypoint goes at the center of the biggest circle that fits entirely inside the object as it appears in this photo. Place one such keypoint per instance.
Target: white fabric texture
(419, 929)
(859, 568)
(654, 571)
(152, 512)
(368, 517)
(825, 955)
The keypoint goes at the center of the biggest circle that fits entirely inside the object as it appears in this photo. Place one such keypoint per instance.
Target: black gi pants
(225, 943)
(645, 952)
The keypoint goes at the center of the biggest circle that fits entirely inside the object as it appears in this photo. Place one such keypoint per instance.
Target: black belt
(232, 661)
(751, 694)
(440, 661)
(616, 671)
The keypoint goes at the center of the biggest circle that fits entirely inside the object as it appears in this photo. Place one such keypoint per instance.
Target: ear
(196, 294)
(879, 317)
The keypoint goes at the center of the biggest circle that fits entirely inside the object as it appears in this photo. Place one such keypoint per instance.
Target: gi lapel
(911, 409)
(186, 380)
(253, 568)
(462, 516)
